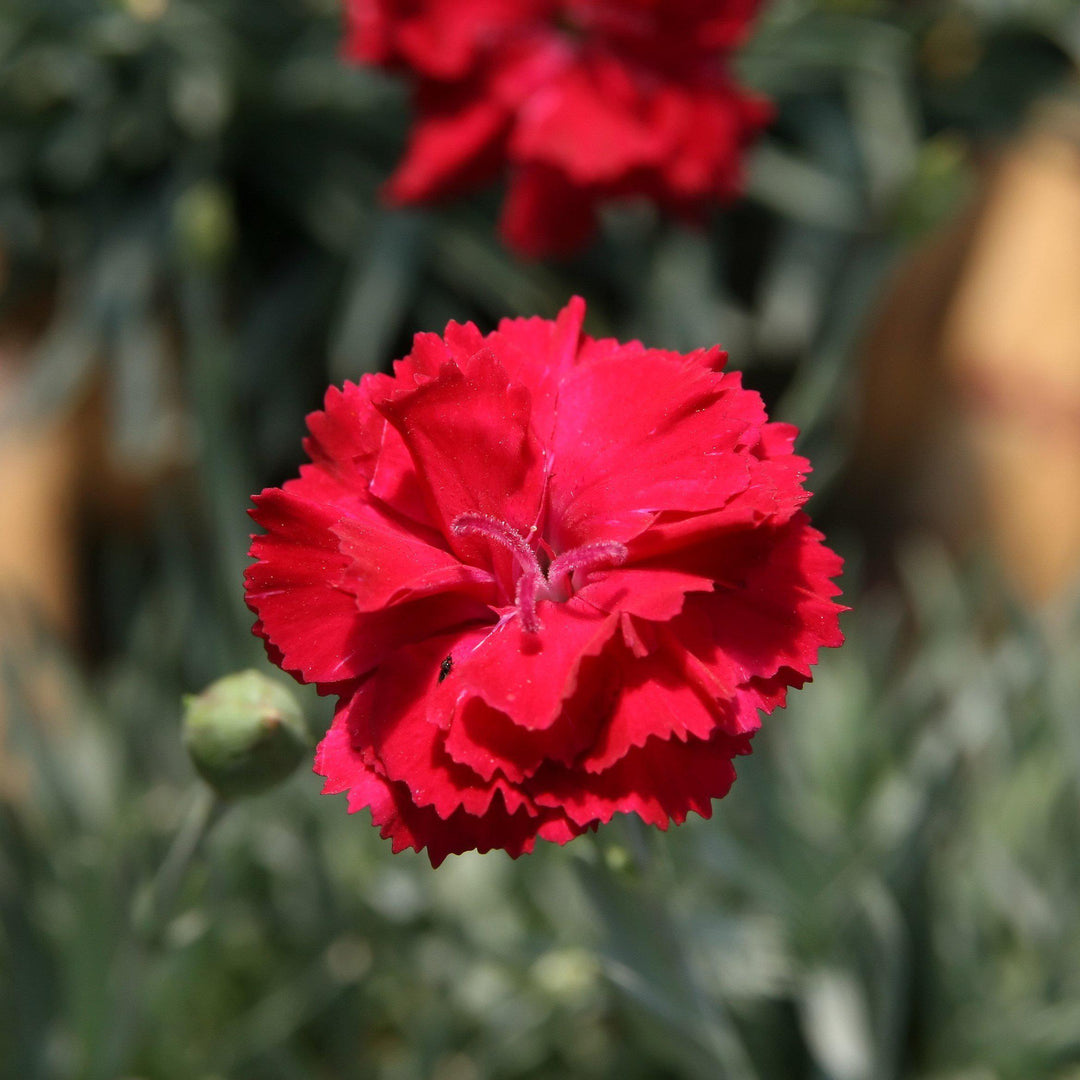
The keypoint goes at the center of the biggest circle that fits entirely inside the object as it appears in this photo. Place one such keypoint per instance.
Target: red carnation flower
(550, 578)
(586, 100)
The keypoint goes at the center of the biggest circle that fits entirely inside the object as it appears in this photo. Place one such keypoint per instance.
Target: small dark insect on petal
(445, 668)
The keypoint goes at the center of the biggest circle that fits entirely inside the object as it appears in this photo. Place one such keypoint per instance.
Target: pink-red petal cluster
(584, 101)
(550, 578)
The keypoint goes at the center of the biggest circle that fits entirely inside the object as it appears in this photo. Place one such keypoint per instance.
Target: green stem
(146, 930)
(225, 487)
(648, 956)
(205, 809)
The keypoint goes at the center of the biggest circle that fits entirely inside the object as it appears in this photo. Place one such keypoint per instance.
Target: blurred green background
(191, 249)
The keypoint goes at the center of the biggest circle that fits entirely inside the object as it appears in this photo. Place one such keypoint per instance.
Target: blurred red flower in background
(585, 100)
(551, 579)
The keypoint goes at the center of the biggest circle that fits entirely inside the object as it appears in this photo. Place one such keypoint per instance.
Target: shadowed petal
(545, 215)
(780, 616)
(407, 825)
(313, 605)
(661, 782)
(455, 145)
(388, 565)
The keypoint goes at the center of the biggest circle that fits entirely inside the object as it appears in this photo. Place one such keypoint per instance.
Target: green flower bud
(204, 224)
(245, 733)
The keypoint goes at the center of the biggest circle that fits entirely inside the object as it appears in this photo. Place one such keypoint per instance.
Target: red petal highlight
(468, 432)
(679, 424)
(591, 124)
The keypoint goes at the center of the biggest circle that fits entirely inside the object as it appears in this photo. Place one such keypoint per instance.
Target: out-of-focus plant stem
(648, 955)
(147, 923)
(206, 807)
(224, 486)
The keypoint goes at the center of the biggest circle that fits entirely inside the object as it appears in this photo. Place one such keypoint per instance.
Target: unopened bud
(204, 224)
(245, 733)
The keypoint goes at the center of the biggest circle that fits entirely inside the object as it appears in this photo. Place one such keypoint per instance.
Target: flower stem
(203, 812)
(146, 926)
(650, 955)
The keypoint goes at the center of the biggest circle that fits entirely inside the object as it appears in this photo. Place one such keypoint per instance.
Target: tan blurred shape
(60, 467)
(39, 468)
(39, 465)
(971, 370)
(1011, 347)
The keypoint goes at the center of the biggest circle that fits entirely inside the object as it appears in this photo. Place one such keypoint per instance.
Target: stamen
(525, 600)
(586, 557)
(531, 582)
(470, 524)
(532, 577)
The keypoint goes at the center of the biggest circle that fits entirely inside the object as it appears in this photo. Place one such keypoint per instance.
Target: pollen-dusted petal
(661, 782)
(678, 424)
(388, 564)
(528, 676)
(463, 341)
(777, 440)
(346, 433)
(472, 445)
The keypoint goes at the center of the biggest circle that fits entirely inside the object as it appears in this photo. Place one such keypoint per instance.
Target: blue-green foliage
(188, 188)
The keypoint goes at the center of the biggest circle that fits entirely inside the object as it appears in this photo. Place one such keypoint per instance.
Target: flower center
(533, 585)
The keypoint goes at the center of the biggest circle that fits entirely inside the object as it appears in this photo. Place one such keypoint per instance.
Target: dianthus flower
(550, 578)
(586, 101)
